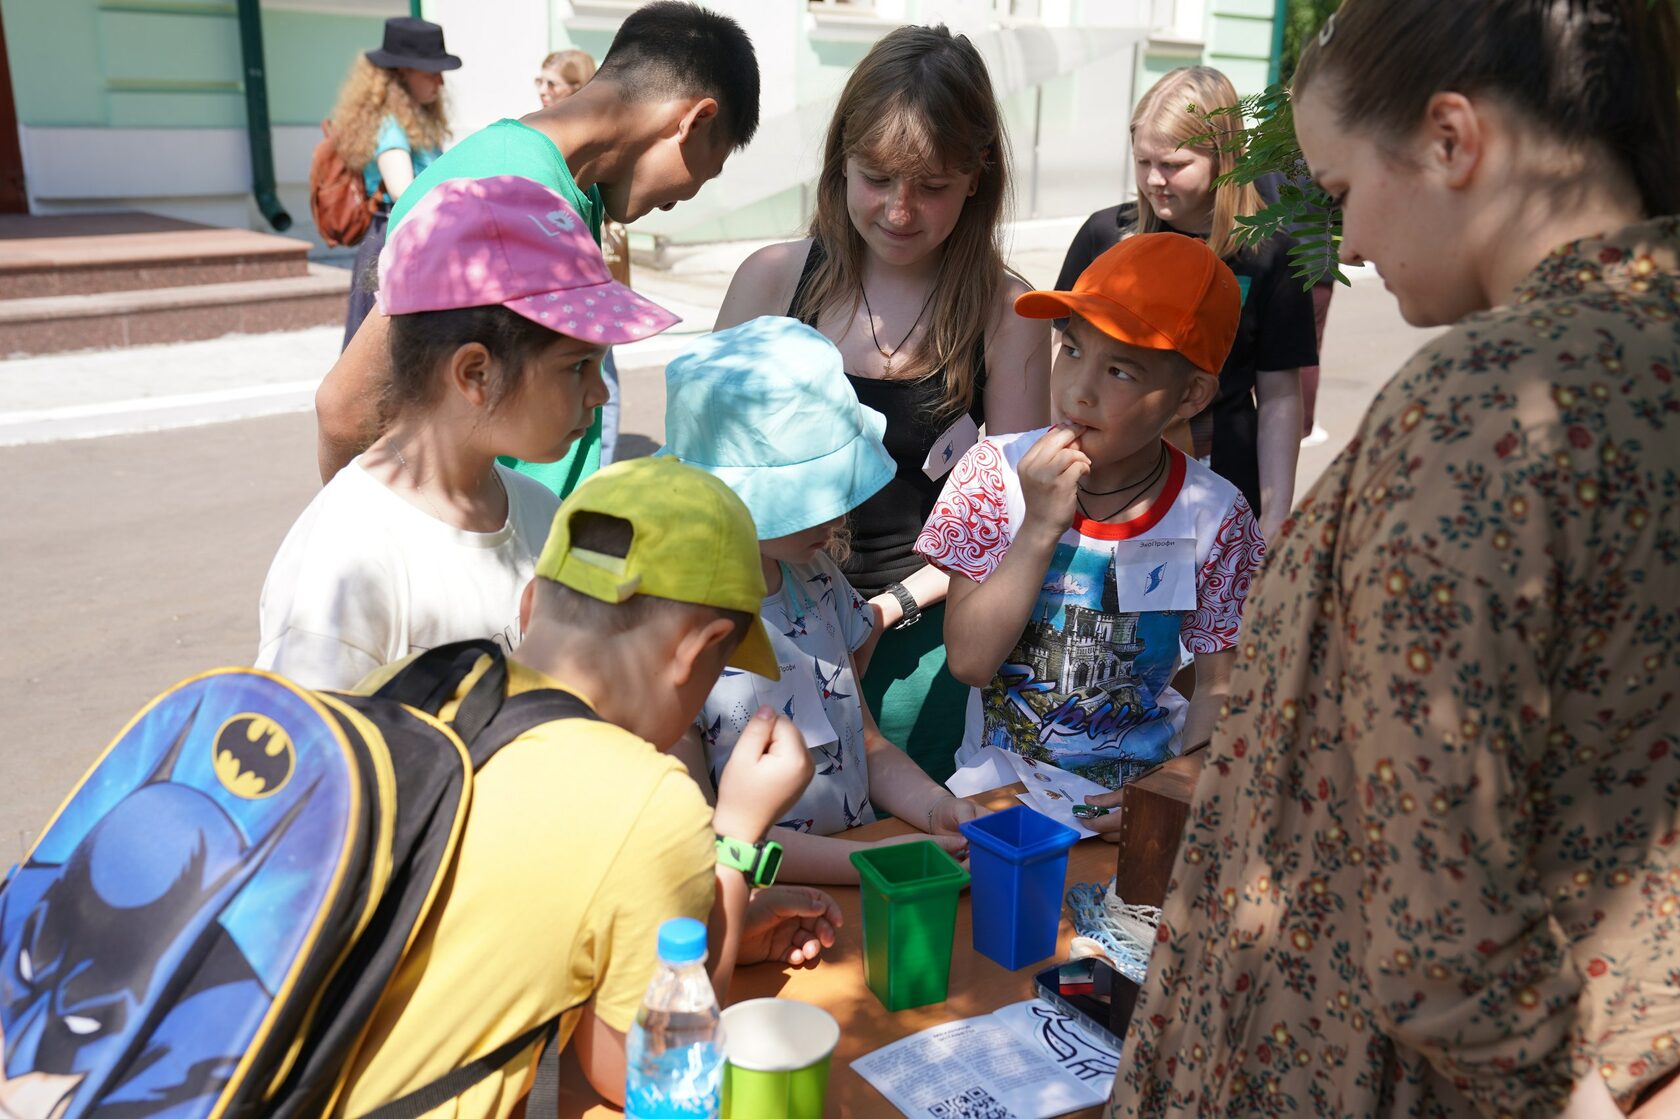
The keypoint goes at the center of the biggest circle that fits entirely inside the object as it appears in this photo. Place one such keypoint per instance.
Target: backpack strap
(430, 679)
(453, 1084)
(544, 1096)
(516, 715)
(521, 713)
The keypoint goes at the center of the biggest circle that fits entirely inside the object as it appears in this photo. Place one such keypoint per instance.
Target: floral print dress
(1433, 867)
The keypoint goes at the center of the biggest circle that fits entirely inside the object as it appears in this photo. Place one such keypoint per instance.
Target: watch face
(769, 863)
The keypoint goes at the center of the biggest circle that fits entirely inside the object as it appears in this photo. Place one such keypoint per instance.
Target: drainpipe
(256, 117)
(1280, 17)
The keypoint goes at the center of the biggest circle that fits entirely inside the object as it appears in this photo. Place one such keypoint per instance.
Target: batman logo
(254, 756)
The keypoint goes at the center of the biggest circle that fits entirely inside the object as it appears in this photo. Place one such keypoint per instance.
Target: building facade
(140, 104)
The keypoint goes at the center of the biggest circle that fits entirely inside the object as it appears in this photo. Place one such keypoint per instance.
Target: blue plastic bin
(1018, 862)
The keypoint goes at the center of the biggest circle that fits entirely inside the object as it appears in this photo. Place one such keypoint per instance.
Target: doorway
(14, 198)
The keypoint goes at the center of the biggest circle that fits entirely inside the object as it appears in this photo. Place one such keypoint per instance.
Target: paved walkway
(155, 388)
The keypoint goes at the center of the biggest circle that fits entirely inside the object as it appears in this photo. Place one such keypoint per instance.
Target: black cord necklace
(1131, 490)
(886, 354)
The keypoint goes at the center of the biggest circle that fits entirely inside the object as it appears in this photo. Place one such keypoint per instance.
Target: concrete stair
(73, 282)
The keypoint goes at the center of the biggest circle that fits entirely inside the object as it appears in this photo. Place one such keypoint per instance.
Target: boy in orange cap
(1086, 557)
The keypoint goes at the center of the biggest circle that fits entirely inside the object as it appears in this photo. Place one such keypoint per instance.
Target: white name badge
(1154, 575)
(950, 447)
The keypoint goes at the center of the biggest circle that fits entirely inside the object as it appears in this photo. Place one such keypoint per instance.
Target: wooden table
(835, 983)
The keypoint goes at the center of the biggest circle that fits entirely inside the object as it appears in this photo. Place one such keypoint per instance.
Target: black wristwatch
(759, 862)
(906, 602)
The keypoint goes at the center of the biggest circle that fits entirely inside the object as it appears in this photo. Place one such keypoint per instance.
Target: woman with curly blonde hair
(391, 122)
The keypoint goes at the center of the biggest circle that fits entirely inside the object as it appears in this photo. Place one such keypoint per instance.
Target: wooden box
(1153, 811)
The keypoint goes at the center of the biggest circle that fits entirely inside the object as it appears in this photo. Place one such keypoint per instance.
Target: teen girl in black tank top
(884, 528)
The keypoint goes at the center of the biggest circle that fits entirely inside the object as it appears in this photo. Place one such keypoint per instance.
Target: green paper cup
(909, 893)
(775, 1059)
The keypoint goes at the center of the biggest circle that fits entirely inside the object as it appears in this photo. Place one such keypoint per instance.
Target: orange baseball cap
(1160, 291)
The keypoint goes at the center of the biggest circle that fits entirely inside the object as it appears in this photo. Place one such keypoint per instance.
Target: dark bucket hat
(414, 43)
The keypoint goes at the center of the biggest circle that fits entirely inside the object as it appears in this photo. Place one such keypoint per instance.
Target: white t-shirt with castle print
(1087, 686)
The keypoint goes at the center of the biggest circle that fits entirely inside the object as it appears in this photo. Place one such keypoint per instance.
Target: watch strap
(758, 862)
(906, 602)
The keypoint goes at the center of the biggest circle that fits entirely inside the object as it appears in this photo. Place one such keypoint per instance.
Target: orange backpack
(338, 198)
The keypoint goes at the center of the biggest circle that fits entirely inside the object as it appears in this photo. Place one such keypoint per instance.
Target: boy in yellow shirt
(583, 836)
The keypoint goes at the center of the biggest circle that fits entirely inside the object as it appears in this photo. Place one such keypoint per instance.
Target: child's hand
(1050, 473)
(955, 846)
(788, 925)
(766, 774)
(951, 812)
(1106, 826)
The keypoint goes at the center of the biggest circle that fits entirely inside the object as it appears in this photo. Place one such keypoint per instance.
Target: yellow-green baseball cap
(692, 540)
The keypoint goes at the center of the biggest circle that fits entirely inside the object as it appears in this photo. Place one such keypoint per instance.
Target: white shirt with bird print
(816, 621)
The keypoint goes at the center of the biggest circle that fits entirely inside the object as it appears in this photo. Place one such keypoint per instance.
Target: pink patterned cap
(512, 241)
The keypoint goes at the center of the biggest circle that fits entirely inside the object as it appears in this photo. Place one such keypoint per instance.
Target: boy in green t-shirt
(677, 92)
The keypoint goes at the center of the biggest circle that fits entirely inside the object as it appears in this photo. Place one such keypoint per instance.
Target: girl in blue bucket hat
(766, 407)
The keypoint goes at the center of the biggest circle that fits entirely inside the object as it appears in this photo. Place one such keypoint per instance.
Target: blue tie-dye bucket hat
(766, 407)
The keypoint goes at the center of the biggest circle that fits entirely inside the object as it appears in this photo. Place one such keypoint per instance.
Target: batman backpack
(206, 925)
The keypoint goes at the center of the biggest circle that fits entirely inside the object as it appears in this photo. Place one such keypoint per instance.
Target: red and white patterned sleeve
(968, 531)
(1222, 583)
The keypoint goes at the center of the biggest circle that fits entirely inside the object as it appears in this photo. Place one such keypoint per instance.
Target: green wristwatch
(759, 863)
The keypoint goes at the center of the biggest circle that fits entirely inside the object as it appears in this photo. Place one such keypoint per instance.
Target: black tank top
(884, 528)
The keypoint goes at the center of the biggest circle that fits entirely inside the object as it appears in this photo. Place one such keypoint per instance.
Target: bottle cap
(682, 940)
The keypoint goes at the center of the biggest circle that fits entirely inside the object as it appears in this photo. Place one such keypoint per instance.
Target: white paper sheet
(1026, 1061)
(1086, 1057)
(1064, 816)
(1053, 792)
(1050, 791)
(990, 769)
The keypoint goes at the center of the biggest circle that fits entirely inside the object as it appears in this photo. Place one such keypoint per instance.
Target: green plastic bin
(910, 893)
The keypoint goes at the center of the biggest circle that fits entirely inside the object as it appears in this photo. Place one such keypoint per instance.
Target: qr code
(976, 1103)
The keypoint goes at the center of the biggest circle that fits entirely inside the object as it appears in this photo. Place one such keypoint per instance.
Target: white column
(787, 149)
(501, 44)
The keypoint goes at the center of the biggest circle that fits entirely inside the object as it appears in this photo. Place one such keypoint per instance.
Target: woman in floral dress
(1433, 868)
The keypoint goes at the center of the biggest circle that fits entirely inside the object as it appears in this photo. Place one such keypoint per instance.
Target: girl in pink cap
(501, 308)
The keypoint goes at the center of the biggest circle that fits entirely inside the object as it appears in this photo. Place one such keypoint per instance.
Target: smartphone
(1092, 993)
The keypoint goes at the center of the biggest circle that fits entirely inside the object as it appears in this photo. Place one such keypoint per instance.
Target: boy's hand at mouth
(1050, 473)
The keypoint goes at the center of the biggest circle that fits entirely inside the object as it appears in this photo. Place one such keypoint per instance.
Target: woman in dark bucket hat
(413, 44)
(391, 123)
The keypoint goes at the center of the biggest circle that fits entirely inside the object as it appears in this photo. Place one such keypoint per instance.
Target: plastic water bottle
(675, 1052)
